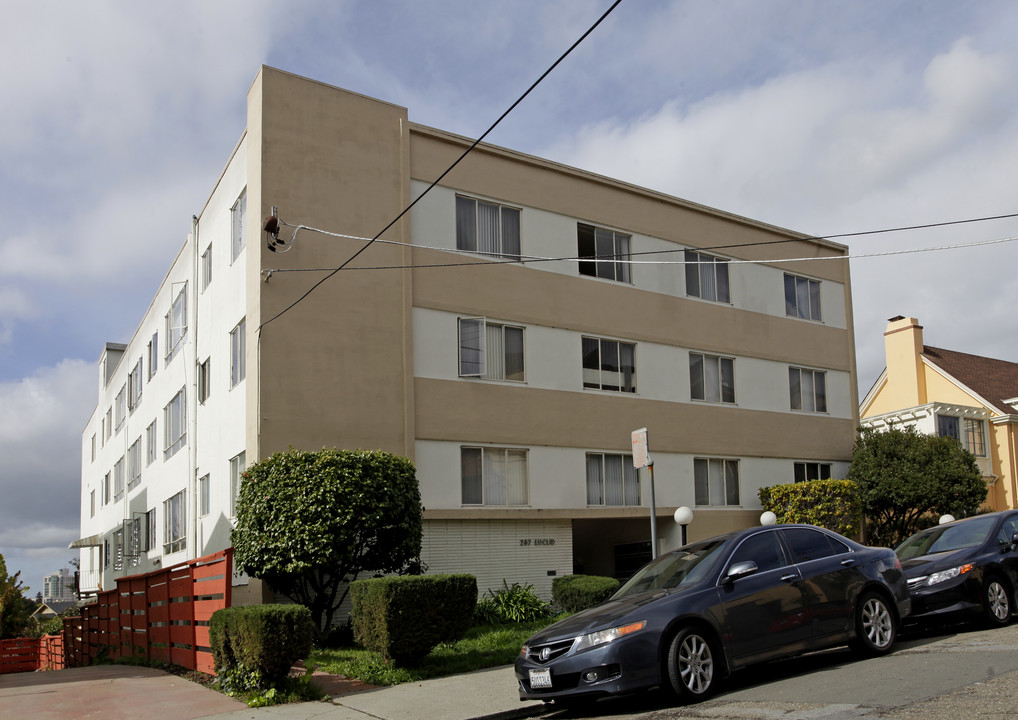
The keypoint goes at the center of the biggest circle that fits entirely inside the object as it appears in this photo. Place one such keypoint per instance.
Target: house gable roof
(993, 380)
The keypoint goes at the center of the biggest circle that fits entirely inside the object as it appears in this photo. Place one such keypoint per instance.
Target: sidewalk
(482, 694)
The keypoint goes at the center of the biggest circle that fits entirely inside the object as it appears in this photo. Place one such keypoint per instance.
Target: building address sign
(524, 542)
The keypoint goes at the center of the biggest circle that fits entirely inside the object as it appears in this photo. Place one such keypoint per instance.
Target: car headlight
(606, 636)
(939, 577)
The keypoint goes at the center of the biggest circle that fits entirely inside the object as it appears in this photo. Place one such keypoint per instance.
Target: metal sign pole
(641, 458)
(653, 518)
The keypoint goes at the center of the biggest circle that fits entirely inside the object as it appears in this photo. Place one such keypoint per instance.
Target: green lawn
(484, 646)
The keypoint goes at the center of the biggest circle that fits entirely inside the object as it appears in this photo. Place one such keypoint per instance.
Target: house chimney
(903, 346)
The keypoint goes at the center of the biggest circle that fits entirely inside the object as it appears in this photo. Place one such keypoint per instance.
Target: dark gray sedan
(689, 618)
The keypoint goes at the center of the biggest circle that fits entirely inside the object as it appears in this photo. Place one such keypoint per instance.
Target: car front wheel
(693, 670)
(996, 602)
(876, 626)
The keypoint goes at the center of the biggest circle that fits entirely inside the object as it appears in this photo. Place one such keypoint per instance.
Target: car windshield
(682, 567)
(945, 538)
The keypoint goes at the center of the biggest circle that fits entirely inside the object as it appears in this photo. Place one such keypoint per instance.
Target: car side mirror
(740, 570)
(1014, 541)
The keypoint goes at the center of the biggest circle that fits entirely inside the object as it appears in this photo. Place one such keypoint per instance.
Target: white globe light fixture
(683, 516)
(944, 519)
(768, 518)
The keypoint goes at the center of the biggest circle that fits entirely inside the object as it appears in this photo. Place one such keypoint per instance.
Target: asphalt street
(949, 673)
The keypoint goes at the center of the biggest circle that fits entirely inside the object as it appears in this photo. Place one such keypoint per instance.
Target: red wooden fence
(160, 616)
(29, 654)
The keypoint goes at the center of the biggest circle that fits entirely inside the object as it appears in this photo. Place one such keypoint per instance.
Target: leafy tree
(907, 479)
(309, 522)
(833, 504)
(15, 608)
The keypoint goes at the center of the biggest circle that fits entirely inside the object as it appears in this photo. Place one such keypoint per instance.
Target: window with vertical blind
(711, 378)
(802, 297)
(612, 480)
(707, 277)
(489, 350)
(175, 523)
(494, 476)
(488, 228)
(716, 481)
(807, 389)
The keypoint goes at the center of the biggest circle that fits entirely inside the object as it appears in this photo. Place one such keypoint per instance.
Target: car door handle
(848, 562)
(789, 578)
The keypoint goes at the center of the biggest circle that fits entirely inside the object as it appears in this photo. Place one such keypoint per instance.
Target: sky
(832, 117)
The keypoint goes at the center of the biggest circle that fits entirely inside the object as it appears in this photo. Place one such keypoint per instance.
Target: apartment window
(716, 481)
(607, 250)
(106, 552)
(237, 466)
(968, 431)
(91, 503)
(134, 384)
(150, 524)
(493, 476)
(176, 323)
(490, 350)
(93, 447)
(108, 426)
(487, 228)
(118, 479)
(237, 219)
(612, 480)
(150, 443)
(174, 521)
(711, 378)
(139, 539)
(107, 488)
(707, 277)
(153, 354)
(203, 496)
(609, 365)
(238, 353)
(203, 380)
(134, 464)
(807, 389)
(206, 268)
(802, 297)
(174, 425)
(812, 471)
(121, 407)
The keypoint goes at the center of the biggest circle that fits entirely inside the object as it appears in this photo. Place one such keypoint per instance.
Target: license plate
(540, 678)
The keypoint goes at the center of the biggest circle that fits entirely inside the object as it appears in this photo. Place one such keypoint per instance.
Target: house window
(612, 480)
(490, 350)
(807, 389)
(121, 407)
(153, 354)
(134, 464)
(802, 297)
(206, 268)
(107, 488)
(91, 503)
(150, 524)
(176, 323)
(607, 250)
(716, 481)
(237, 466)
(237, 220)
(174, 425)
(174, 521)
(487, 228)
(150, 443)
(609, 365)
(968, 431)
(707, 277)
(493, 476)
(118, 479)
(203, 380)
(238, 353)
(812, 471)
(134, 384)
(711, 378)
(203, 496)
(93, 447)
(108, 426)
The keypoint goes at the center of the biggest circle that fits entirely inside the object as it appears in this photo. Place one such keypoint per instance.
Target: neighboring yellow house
(971, 398)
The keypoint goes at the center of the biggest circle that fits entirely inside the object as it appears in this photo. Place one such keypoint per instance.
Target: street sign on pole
(641, 459)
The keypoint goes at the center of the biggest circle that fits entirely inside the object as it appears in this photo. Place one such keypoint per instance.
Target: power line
(449, 169)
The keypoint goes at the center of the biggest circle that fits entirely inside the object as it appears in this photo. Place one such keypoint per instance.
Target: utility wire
(449, 169)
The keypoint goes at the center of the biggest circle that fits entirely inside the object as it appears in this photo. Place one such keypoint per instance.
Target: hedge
(833, 504)
(573, 593)
(266, 638)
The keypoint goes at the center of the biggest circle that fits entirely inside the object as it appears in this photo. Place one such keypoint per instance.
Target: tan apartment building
(507, 334)
(944, 392)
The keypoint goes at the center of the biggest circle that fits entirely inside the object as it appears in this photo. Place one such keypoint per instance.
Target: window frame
(238, 353)
(520, 496)
(819, 395)
(468, 238)
(175, 334)
(134, 464)
(153, 355)
(719, 361)
(725, 464)
(204, 380)
(614, 266)
(696, 264)
(238, 464)
(151, 443)
(238, 239)
(120, 405)
(172, 444)
(802, 470)
(205, 271)
(795, 286)
(134, 386)
(118, 479)
(629, 473)
(602, 344)
(204, 495)
(475, 346)
(175, 518)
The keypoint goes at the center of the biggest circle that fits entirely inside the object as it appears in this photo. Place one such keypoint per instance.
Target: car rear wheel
(876, 626)
(693, 669)
(996, 602)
